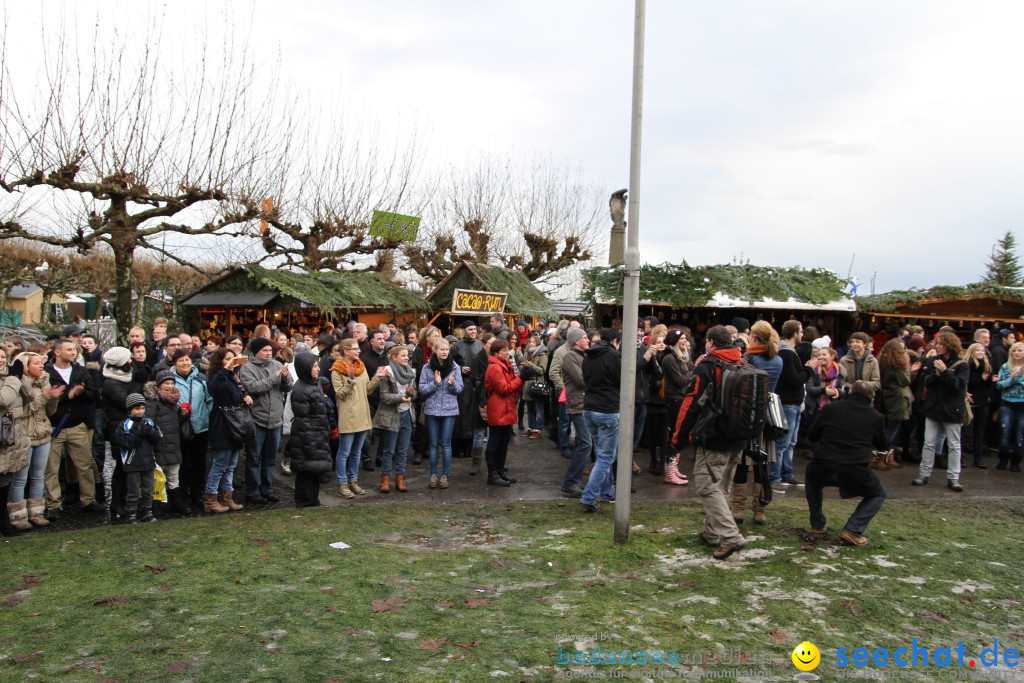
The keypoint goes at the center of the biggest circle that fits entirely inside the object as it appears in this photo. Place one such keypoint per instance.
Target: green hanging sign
(394, 226)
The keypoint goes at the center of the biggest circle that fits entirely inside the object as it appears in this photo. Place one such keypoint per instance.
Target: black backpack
(737, 405)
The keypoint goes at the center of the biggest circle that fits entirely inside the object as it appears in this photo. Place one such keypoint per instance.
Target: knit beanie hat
(258, 343)
(134, 400)
(163, 376)
(573, 335)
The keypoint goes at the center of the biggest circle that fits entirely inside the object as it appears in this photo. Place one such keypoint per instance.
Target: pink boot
(672, 474)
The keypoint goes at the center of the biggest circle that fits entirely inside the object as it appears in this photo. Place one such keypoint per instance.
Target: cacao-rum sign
(469, 302)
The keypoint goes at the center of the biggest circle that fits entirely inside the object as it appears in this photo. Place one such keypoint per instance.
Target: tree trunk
(123, 243)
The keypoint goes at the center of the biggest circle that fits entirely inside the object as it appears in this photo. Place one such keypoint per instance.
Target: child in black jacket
(137, 437)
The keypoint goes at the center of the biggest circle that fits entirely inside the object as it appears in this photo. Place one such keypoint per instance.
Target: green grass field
(503, 592)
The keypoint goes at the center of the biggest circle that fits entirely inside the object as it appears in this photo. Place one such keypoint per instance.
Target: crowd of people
(177, 414)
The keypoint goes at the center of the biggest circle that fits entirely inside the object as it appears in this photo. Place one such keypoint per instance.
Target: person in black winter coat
(162, 397)
(848, 431)
(309, 445)
(137, 439)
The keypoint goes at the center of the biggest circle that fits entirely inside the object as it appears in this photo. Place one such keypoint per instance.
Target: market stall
(522, 299)
(702, 296)
(299, 302)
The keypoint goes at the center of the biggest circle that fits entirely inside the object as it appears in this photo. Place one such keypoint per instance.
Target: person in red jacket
(502, 387)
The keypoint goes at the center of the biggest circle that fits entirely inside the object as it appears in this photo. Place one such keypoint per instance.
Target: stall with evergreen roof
(702, 296)
(299, 302)
(524, 299)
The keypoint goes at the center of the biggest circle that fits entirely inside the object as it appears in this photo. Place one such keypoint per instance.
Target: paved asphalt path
(539, 468)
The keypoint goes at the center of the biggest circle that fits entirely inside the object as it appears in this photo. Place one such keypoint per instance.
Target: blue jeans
(580, 451)
(782, 468)
(439, 432)
(858, 522)
(892, 430)
(1011, 432)
(33, 474)
(346, 462)
(535, 412)
(563, 429)
(260, 459)
(222, 470)
(479, 436)
(396, 445)
(604, 432)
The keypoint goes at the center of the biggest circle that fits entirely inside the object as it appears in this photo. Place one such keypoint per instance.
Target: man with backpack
(723, 412)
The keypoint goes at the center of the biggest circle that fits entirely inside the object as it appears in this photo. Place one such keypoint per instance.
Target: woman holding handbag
(226, 393)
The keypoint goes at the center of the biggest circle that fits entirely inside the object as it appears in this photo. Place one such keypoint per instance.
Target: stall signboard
(469, 302)
(394, 226)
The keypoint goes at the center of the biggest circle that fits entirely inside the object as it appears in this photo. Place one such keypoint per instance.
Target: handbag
(7, 435)
(539, 389)
(775, 425)
(561, 397)
(185, 429)
(239, 421)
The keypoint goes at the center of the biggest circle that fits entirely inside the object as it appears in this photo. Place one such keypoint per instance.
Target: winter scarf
(829, 379)
(445, 367)
(341, 366)
(404, 375)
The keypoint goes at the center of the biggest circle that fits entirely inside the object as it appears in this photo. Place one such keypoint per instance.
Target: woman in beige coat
(40, 401)
(352, 386)
(13, 457)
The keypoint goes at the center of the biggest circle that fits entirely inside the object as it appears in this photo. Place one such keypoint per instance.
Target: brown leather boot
(210, 503)
(759, 508)
(739, 502)
(400, 483)
(385, 483)
(890, 460)
(878, 461)
(225, 499)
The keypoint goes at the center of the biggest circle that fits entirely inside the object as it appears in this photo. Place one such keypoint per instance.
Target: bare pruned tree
(126, 135)
(335, 177)
(537, 218)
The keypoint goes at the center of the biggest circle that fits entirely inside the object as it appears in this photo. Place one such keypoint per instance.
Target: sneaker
(954, 484)
(793, 482)
(356, 488)
(574, 491)
(920, 481)
(590, 507)
(534, 433)
(444, 482)
(433, 481)
(850, 538)
(726, 550)
(567, 455)
(343, 490)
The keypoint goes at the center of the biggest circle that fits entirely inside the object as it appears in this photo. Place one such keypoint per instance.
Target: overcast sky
(791, 133)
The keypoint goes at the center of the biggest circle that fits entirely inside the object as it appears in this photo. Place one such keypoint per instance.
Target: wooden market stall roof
(253, 286)
(523, 296)
(979, 302)
(724, 286)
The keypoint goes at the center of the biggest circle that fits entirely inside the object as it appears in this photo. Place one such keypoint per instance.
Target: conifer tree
(1004, 266)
